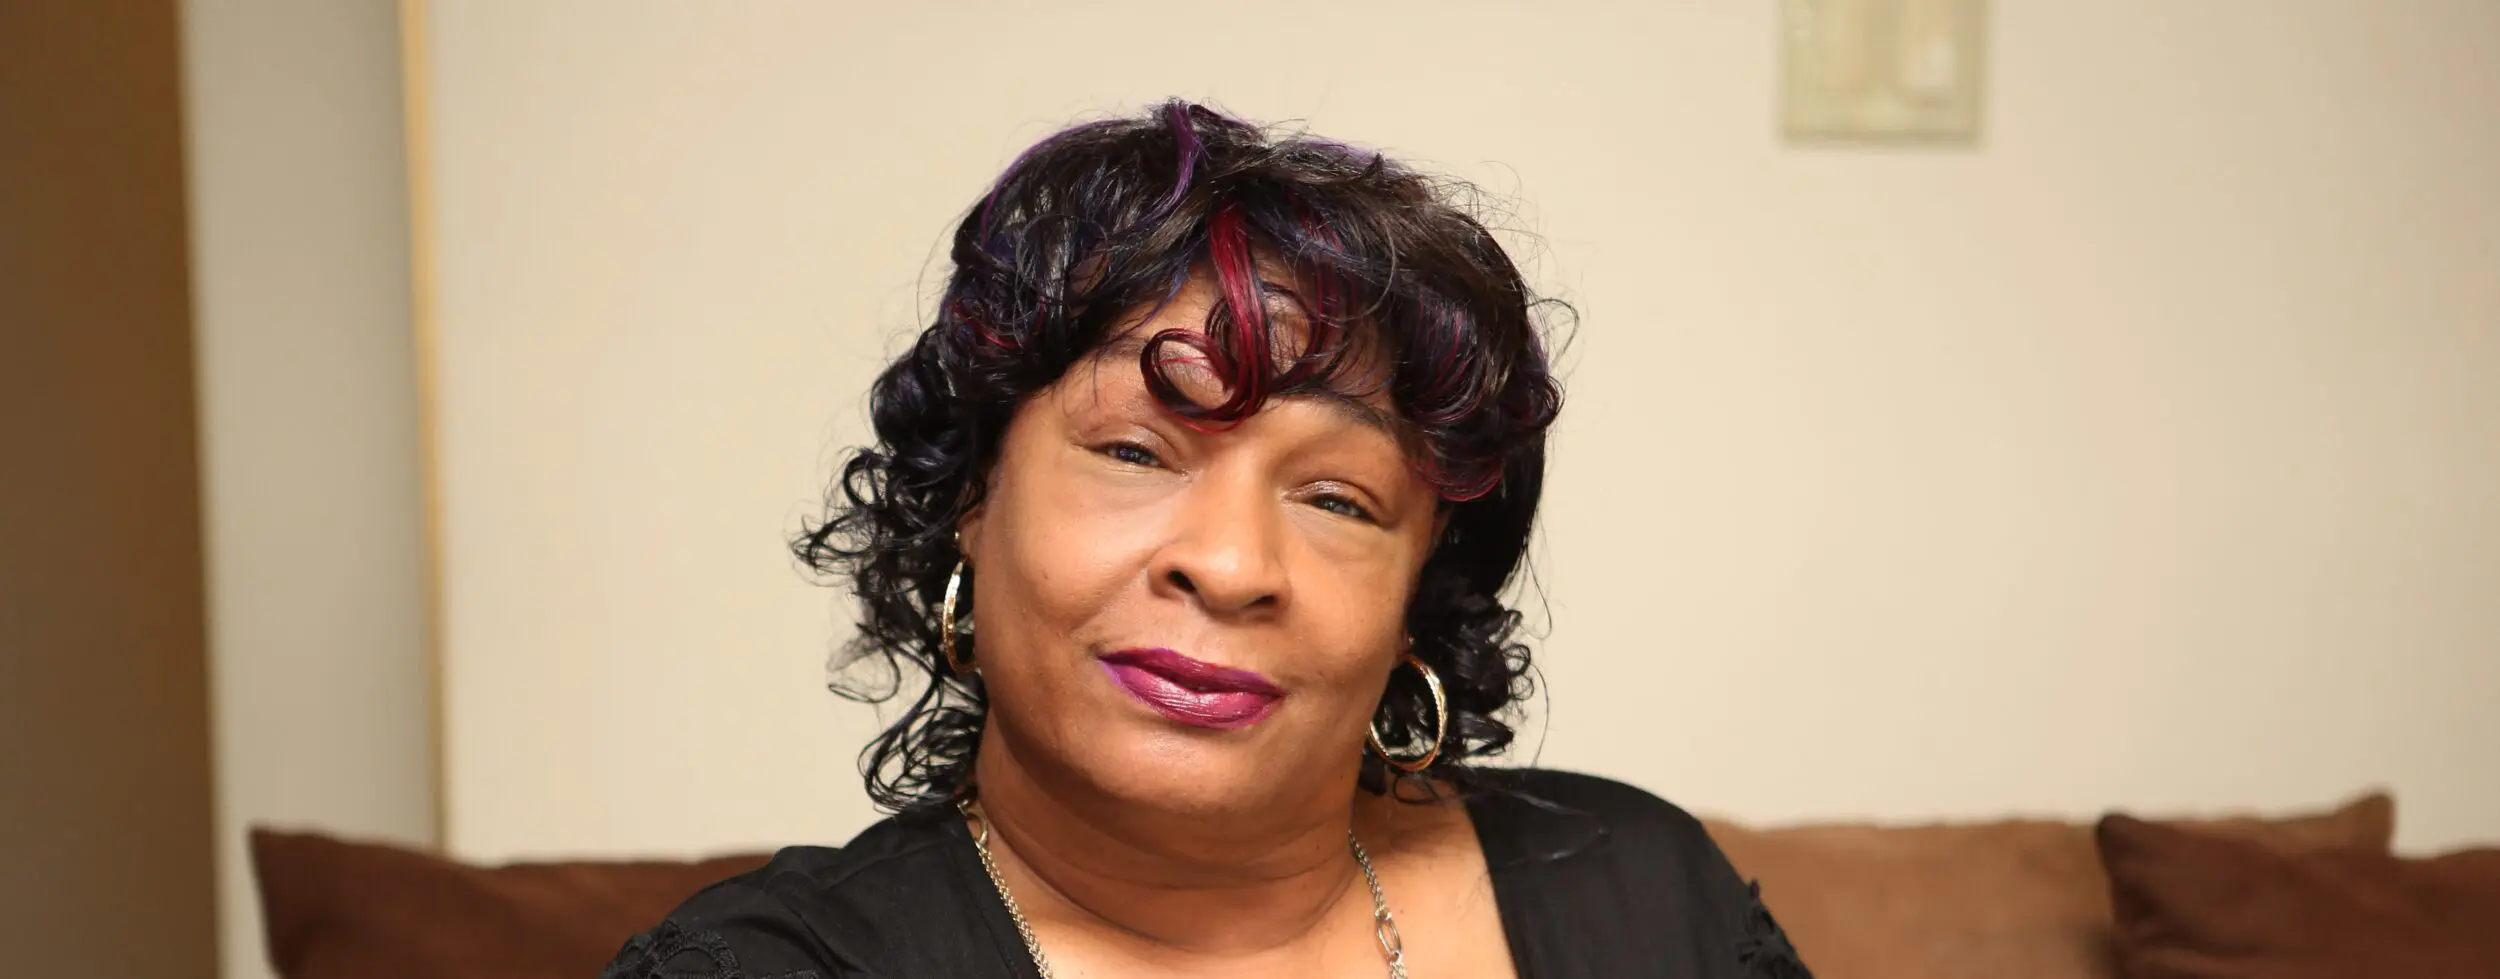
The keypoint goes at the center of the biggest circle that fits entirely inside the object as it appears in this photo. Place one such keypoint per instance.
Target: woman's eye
(1341, 506)
(1131, 453)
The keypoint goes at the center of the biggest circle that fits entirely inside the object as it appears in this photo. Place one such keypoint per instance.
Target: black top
(1594, 878)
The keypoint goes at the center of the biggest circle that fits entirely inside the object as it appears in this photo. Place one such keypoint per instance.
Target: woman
(1188, 519)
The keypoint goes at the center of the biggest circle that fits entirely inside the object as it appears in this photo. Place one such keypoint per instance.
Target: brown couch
(2025, 899)
(1992, 900)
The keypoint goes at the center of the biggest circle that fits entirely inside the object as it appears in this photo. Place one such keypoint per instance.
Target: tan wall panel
(104, 757)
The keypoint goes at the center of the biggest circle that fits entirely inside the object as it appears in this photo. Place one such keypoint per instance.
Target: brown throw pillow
(335, 909)
(2022, 898)
(2197, 906)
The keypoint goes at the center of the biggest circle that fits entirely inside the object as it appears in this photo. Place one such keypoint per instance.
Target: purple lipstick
(1192, 692)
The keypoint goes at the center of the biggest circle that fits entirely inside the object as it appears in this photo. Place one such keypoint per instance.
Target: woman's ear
(968, 532)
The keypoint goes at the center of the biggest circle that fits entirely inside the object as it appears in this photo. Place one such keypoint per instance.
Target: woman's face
(1198, 620)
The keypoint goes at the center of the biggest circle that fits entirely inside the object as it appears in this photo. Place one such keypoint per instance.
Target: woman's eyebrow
(1353, 409)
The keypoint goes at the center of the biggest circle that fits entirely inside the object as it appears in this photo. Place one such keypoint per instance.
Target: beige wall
(104, 762)
(2147, 454)
(309, 424)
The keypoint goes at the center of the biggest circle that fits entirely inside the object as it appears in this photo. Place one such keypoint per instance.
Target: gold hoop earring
(946, 621)
(1440, 724)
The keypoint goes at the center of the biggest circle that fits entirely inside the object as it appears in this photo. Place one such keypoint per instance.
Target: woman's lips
(1192, 692)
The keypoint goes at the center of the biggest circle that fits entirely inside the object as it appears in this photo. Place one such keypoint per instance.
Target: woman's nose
(1225, 551)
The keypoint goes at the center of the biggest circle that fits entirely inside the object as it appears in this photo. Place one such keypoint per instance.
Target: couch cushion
(2022, 898)
(335, 909)
(2198, 906)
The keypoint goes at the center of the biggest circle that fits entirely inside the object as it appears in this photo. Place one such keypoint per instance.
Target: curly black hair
(1108, 219)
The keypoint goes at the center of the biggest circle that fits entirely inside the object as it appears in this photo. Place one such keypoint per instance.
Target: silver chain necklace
(1384, 924)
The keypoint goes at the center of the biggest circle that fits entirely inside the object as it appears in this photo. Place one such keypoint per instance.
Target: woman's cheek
(1359, 558)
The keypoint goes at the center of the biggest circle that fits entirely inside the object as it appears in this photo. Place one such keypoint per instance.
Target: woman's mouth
(1192, 692)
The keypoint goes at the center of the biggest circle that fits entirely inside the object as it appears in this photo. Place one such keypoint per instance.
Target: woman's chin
(1184, 772)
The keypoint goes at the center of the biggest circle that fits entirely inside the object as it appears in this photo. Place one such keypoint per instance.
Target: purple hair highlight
(1176, 116)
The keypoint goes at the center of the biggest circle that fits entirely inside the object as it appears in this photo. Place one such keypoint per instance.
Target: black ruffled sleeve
(731, 930)
(1762, 949)
(1598, 878)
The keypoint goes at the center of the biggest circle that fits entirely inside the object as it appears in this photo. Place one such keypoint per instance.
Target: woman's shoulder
(1596, 853)
(1553, 807)
(811, 912)
(1590, 792)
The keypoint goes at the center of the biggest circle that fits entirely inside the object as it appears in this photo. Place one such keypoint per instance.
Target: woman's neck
(1215, 884)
